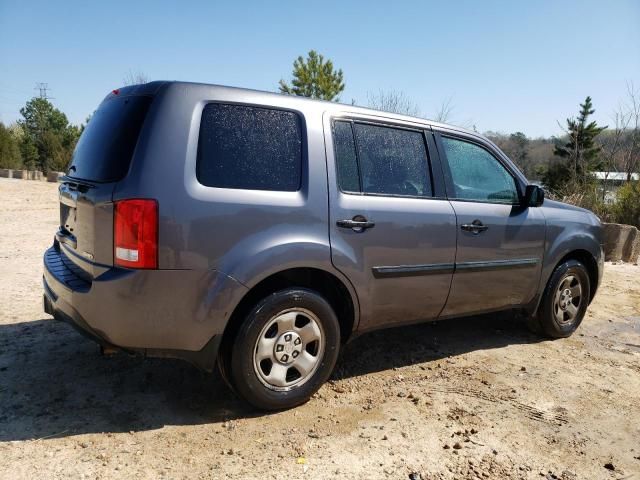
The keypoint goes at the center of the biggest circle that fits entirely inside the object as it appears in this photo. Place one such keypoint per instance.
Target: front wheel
(565, 300)
(285, 349)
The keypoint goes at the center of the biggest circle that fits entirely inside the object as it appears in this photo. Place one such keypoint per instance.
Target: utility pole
(43, 87)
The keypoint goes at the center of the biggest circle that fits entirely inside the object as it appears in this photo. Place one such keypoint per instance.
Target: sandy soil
(473, 398)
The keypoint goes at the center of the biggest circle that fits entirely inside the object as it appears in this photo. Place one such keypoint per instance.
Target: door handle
(357, 224)
(474, 227)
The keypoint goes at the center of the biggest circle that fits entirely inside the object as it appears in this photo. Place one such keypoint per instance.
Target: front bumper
(174, 313)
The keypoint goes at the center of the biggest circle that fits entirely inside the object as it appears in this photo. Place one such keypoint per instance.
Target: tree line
(565, 163)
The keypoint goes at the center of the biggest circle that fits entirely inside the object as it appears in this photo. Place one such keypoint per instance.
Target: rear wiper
(76, 181)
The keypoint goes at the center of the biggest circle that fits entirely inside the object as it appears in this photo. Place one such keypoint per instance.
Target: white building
(610, 182)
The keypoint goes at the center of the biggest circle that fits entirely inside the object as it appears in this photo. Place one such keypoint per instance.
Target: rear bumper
(167, 313)
(63, 312)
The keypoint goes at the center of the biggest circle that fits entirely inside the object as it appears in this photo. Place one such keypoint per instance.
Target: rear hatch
(101, 159)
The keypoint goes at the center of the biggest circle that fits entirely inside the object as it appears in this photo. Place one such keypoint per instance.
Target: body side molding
(412, 270)
(438, 268)
(496, 264)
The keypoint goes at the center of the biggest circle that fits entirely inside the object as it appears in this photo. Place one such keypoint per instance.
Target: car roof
(328, 105)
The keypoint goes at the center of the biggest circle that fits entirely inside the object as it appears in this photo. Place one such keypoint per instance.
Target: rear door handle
(357, 224)
(474, 227)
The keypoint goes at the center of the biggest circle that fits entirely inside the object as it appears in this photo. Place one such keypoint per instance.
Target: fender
(250, 267)
(569, 229)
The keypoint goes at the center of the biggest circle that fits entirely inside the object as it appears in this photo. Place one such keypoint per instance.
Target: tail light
(135, 233)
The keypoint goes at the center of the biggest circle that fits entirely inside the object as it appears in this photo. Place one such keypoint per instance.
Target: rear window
(104, 151)
(250, 148)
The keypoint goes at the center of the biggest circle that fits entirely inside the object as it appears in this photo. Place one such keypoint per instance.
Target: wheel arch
(591, 264)
(584, 256)
(337, 292)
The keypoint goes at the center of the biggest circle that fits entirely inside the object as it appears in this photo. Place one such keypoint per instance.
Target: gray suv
(261, 232)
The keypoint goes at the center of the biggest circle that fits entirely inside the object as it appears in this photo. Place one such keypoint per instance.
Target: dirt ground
(473, 398)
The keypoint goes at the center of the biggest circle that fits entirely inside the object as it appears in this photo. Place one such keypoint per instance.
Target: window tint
(104, 151)
(346, 161)
(392, 161)
(249, 148)
(478, 175)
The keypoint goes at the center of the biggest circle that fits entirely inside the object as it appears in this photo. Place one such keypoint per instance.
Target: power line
(43, 87)
(6, 87)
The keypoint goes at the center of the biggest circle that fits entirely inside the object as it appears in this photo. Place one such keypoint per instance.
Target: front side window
(478, 175)
(249, 148)
(381, 160)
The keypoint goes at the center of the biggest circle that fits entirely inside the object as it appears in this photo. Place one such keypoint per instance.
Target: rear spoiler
(146, 89)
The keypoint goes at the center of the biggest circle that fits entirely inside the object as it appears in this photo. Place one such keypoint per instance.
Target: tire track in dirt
(558, 416)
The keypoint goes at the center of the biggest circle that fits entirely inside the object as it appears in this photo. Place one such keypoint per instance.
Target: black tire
(547, 320)
(244, 373)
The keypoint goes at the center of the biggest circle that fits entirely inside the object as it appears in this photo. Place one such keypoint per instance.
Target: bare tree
(613, 142)
(134, 78)
(631, 150)
(444, 113)
(393, 101)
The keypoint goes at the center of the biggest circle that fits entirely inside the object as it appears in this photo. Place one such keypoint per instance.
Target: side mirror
(533, 196)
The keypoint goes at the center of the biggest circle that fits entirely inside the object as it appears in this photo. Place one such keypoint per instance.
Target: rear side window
(249, 148)
(104, 151)
(382, 160)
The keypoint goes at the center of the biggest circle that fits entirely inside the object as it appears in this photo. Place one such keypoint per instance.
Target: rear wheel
(285, 349)
(565, 301)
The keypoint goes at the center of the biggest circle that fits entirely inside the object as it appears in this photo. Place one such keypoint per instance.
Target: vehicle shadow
(414, 344)
(54, 383)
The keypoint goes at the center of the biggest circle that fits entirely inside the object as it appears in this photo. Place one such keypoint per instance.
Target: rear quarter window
(105, 149)
(346, 159)
(246, 147)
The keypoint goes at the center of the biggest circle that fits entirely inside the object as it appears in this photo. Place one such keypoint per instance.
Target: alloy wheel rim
(289, 349)
(567, 299)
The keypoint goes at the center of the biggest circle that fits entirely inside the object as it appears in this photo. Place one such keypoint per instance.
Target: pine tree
(315, 78)
(581, 153)
(49, 138)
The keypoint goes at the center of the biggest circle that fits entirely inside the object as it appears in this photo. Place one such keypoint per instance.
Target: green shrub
(627, 206)
(586, 196)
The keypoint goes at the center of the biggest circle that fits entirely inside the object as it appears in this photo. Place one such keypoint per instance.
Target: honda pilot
(260, 232)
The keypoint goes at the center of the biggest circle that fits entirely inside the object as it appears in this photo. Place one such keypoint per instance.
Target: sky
(504, 65)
